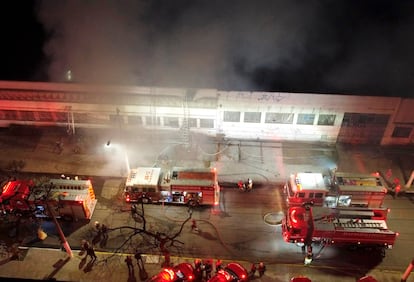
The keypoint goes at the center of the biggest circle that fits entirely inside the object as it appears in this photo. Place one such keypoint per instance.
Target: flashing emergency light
(6, 187)
(167, 274)
(293, 216)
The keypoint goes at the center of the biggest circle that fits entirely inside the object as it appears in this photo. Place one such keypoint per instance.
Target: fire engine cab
(306, 187)
(70, 199)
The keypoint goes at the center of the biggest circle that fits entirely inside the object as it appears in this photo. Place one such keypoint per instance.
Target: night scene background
(334, 47)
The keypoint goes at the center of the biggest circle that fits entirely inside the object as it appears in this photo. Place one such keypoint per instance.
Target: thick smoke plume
(298, 46)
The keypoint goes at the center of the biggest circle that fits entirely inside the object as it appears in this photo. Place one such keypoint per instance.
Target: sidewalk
(270, 163)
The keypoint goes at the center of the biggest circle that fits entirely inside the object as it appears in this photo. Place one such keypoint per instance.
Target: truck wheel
(67, 217)
(192, 203)
(145, 200)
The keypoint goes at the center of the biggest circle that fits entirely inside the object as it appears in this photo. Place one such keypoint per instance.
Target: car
(300, 279)
(182, 272)
(232, 272)
(367, 279)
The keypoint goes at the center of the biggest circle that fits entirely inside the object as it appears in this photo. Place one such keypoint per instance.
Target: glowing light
(167, 274)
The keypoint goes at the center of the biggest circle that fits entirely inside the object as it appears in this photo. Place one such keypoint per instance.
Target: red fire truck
(198, 186)
(340, 190)
(349, 226)
(67, 198)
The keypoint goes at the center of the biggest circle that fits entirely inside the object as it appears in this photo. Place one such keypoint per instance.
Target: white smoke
(299, 46)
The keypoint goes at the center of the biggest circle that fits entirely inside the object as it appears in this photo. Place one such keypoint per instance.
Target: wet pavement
(265, 162)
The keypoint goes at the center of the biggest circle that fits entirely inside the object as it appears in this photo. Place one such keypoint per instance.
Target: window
(116, 119)
(206, 123)
(11, 115)
(362, 120)
(27, 115)
(45, 116)
(285, 118)
(301, 195)
(171, 122)
(253, 117)
(319, 195)
(306, 119)
(134, 120)
(326, 120)
(192, 122)
(231, 116)
(401, 132)
(61, 116)
(152, 120)
(80, 117)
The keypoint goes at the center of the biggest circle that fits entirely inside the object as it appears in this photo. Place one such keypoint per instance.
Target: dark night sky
(363, 47)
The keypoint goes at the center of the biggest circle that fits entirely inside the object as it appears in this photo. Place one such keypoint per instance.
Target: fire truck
(197, 186)
(340, 190)
(70, 199)
(337, 226)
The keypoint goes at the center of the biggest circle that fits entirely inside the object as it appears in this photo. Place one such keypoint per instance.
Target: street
(245, 226)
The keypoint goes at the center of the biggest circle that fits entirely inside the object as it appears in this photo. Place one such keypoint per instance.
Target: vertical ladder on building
(153, 108)
(185, 126)
(71, 121)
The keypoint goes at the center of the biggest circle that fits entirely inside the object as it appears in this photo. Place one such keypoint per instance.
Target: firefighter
(249, 184)
(309, 255)
(253, 269)
(129, 264)
(104, 233)
(85, 245)
(397, 187)
(194, 226)
(308, 258)
(218, 265)
(198, 270)
(241, 185)
(208, 267)
(91, 253)
(261, 268)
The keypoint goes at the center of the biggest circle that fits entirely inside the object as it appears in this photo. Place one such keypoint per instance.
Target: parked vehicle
(193, 187)
(70, 199)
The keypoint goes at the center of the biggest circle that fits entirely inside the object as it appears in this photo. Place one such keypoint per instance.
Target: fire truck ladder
(185, 126)
(360, 224)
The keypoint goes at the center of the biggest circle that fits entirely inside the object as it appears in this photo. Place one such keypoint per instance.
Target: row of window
(351, 120)
(281, 118)
(62, 117)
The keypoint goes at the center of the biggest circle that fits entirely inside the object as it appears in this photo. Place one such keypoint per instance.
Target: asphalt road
(237, 230)
(243, 227)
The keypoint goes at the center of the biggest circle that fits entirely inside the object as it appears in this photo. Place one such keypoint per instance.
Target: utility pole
(62, 237)
(407, 271)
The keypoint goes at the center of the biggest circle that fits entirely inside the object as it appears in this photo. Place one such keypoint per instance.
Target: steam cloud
(270, 45)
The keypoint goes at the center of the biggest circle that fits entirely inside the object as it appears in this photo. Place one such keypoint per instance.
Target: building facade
(275, 116)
